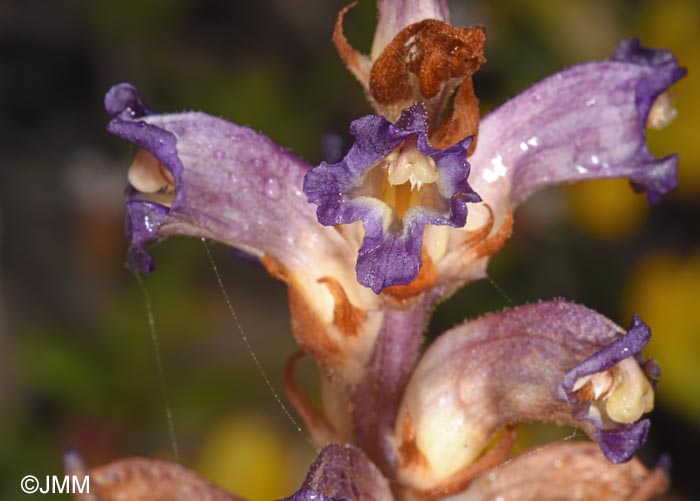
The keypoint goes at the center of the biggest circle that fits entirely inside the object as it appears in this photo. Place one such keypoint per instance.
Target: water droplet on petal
(272, 188)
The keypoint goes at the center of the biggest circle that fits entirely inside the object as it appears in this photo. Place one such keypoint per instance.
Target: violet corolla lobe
(395, 182)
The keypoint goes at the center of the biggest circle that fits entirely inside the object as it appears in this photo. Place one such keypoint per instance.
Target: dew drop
(272, 188)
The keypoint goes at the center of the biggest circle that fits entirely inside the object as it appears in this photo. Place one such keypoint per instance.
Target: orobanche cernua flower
(368, 245)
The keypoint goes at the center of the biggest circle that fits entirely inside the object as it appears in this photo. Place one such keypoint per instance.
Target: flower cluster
(369, 245)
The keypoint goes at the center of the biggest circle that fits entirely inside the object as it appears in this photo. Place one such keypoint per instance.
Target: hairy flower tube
(370, 244)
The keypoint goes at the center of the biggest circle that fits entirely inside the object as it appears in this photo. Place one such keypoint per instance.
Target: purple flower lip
(395, 182)
(629, 345)
(595, 380)
(124, 100)
(154, 174)
(654, 106)
(156, 169)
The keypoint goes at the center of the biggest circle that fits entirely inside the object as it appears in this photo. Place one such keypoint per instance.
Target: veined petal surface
(586, 122)
(508, 367)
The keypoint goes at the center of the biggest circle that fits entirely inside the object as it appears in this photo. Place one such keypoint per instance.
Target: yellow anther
(662, 112)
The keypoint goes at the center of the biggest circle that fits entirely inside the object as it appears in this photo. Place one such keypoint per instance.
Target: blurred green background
(77, 362)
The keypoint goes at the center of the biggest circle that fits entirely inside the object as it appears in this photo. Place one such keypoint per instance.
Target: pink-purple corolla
(369, 245)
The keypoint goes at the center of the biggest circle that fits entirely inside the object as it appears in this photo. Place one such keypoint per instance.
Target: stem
(377, 397)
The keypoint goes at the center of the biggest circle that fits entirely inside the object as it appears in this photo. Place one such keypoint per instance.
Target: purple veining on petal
(629, 345)
(391, 250)
(231, 184)
(621, 443)
(343, 472)
(586, 122)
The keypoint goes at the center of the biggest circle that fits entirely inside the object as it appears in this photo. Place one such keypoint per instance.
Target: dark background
(77, 362)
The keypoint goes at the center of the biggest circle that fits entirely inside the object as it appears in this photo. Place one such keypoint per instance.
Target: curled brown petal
(425, 62)
(321, 431)
(463, 120)
(346, 316)
(142, 479)
(358, 64)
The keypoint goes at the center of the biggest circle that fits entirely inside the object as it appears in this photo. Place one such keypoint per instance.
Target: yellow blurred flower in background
(609, 209)
(666, 288)
(248, 455)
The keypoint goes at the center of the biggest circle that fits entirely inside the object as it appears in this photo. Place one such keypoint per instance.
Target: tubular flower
(507, 368)
(368, 245)
(395, 182)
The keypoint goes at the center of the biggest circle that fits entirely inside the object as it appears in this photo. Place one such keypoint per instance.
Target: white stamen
(621, 394)
(662, 112)
(411, 166)
(147, 174)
